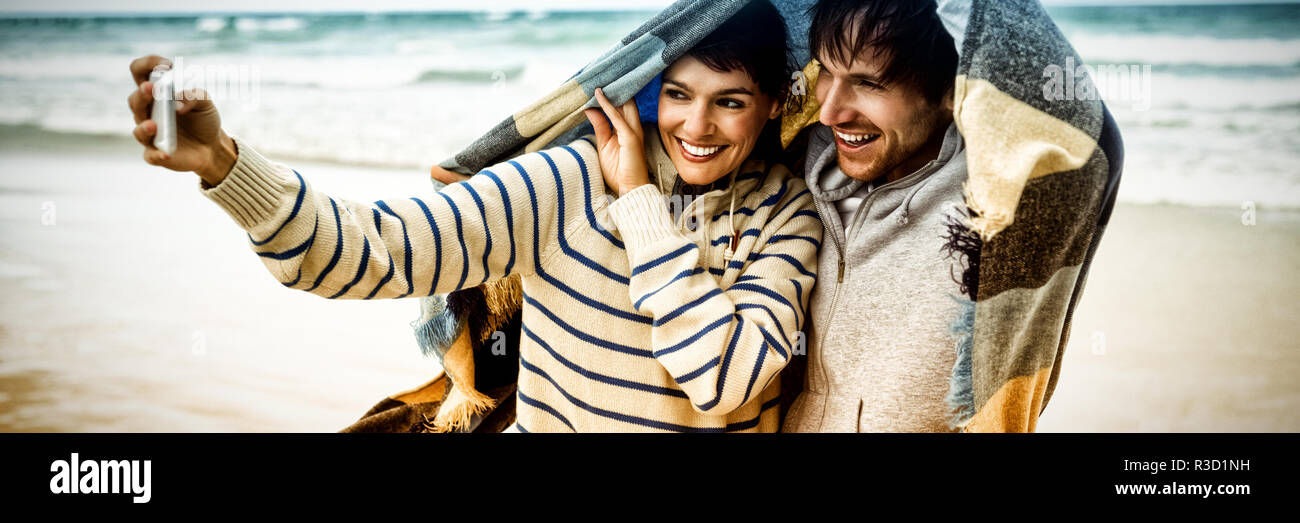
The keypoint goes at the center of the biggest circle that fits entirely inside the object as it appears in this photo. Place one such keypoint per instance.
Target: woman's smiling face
(709, 121)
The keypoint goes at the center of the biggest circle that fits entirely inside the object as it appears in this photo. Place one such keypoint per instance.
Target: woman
(630, 321)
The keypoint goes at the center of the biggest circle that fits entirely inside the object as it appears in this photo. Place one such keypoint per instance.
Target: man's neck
(926, 154)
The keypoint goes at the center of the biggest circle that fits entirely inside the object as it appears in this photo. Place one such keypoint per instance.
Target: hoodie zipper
(836, 232)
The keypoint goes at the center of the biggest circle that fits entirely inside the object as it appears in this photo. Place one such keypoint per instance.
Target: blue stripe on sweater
(626, 418)
(389, 276)
(311, 240)
(727, 238)
(297, 204)
(806, 212)
(406, 244)
(563, 241)
(686, 307)
(663, 259)
(361, 269)
(694, 337)
(798, 296)
(541, 405)
(555, 282)
(793, 199)
(383, 281)
(577, 333)
(685, 378)
(683, 274)
(464, 254)
(752, 422)
(602, 378)
(437, 244)
(510, 217)
(291, 252)
(338, 248)
(766, 292)
(726, 362)
(753, 375)
(779, 328)
(586, 192)
(783, 237)
(779, 348)
(785, 257)
(487, 233)
(768, 202)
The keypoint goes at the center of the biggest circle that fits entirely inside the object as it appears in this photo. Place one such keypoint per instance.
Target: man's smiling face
(880, 129)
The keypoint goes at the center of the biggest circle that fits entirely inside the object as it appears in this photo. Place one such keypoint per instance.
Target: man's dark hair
(906, 33)
(753, 40)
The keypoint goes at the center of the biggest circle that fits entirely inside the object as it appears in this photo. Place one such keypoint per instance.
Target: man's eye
(731, 103)
(869, 84)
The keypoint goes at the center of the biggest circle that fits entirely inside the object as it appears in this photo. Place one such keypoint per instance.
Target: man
(896, 341)
(886, 169)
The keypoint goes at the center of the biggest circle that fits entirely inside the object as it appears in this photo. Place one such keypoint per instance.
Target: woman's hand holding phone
(202, 146)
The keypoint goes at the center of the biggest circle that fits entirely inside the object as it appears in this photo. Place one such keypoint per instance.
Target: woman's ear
(775, 111)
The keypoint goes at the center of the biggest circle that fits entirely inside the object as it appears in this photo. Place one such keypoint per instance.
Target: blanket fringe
(458, 410)
(986, 222)
(961, 390)
(502, 298)
(436, 329)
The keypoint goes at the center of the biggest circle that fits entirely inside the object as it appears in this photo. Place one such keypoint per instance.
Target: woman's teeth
(701, 151)
(854, 140)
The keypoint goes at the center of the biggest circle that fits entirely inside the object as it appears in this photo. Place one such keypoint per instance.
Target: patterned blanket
(1043, 172)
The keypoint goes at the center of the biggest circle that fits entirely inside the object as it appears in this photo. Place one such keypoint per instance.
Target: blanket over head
(1042, 178)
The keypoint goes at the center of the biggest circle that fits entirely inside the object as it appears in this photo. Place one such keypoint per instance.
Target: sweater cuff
(253, 190)
(641, 216)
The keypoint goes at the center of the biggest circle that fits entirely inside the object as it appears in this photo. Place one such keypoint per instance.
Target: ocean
(1212, 116)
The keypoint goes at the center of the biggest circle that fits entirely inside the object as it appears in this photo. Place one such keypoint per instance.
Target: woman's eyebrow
(724, 92)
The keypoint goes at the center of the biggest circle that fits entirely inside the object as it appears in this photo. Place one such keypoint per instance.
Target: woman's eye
(675, 94)
(731, 103)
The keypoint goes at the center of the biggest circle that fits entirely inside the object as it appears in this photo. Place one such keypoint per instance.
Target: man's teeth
(700, 151)
(855, 139)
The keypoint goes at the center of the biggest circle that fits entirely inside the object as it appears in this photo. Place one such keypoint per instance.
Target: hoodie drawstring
(731, 220)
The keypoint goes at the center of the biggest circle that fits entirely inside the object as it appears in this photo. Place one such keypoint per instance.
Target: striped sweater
(632, 321)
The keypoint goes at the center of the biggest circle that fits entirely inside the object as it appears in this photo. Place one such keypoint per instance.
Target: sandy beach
(131, 303)
(142, 307)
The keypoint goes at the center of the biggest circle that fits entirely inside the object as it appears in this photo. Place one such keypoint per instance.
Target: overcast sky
(193, 6)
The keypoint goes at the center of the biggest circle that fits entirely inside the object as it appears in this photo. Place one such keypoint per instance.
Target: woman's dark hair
(752, 40)
(906, 33)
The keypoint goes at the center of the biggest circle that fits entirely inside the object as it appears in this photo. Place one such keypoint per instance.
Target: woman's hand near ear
(621, 151)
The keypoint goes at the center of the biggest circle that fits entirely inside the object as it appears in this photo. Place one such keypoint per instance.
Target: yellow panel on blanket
(1009, 142)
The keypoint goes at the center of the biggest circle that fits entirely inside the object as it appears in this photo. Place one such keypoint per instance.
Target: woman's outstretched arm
(466, 234)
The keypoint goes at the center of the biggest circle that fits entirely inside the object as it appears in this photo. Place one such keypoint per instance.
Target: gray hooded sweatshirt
(881, 344)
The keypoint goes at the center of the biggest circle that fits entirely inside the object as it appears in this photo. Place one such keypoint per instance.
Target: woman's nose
(699, 122)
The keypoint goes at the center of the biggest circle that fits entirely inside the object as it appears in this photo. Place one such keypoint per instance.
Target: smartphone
(164, 110)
